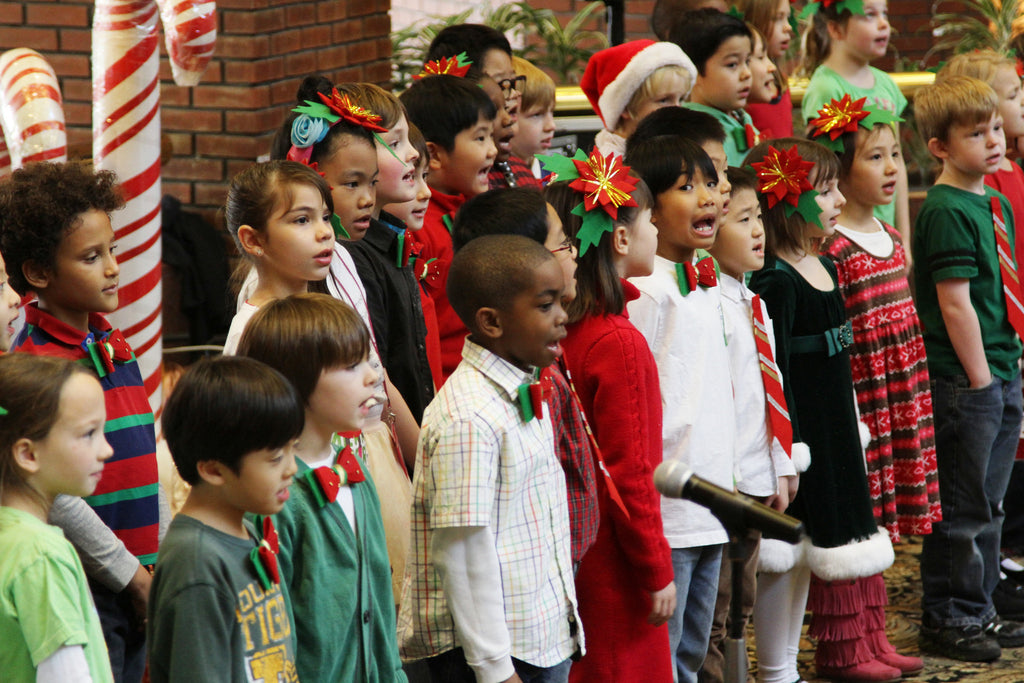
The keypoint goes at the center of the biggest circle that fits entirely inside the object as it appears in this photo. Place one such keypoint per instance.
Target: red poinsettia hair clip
(604, 182)
(845, 115)
(446, 66)
(783, 176)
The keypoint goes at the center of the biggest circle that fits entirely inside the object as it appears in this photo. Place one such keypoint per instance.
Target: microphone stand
(734, 645)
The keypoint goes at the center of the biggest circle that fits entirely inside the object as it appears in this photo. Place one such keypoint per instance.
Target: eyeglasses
(510, 86)
(567, 245)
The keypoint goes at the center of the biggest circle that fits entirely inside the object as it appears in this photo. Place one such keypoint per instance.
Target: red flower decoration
(604, 181)
(264, 556)
(839, 116)
(450, 66)
(343, 106)
(782, 176)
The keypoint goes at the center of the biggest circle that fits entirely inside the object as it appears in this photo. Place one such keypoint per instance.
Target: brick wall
(264, 48)
(911, 20)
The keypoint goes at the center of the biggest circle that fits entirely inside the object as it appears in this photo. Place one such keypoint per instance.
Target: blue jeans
(976, 433)
(451, 667)
(689, 629)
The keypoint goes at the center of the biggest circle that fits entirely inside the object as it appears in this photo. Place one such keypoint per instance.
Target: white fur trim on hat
(854, 560)
(615, 94)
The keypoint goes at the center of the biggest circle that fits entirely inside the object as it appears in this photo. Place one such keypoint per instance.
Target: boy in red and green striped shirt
(55, 226)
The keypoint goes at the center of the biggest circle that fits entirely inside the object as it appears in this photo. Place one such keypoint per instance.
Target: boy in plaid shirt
(488, 592)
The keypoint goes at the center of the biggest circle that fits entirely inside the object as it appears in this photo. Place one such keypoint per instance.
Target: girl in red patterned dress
(887, 358)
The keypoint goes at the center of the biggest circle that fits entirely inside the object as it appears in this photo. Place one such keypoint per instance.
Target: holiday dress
(890, 376)
(846, 551)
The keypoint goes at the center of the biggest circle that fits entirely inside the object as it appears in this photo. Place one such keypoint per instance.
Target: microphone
(734, 510)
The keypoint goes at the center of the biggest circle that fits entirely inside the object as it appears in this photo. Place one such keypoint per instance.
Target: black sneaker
(1007, 633)
(1008, 599)
(966, 643)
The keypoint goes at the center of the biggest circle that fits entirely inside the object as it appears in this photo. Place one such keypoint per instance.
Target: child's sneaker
(968, 643)
(1007, 633)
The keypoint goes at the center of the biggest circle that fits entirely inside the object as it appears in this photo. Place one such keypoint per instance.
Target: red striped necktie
(778, 414)
(1011, 284)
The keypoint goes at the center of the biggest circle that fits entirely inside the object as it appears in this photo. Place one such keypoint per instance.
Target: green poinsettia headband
(605, 184)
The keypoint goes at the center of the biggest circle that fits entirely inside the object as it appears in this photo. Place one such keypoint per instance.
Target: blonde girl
(839, 46)
(51, 442)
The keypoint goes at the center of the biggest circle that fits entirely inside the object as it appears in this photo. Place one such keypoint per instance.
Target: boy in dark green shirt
(973, 353)
(216, 610)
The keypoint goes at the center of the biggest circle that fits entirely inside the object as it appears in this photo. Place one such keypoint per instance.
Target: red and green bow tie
(326, 482)
(264, 556)
(104, 353)
(705, 274)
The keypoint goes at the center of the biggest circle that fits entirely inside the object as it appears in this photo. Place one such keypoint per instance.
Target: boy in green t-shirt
(720, 45)
(967, 297)
(216, 610)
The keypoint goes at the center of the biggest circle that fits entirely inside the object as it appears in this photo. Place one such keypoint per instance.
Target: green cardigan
(337, 584)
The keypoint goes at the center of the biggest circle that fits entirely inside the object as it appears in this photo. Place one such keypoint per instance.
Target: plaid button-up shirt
(479, 464)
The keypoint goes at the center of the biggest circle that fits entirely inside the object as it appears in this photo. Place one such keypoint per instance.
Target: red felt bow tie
(264, 556)
(326, 482)
(532, 396)
(691, 276)
(751, 134)
(104, 353)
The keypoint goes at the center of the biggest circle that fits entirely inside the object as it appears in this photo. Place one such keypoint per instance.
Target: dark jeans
(126, 640)
(976, 433)
(451, 667)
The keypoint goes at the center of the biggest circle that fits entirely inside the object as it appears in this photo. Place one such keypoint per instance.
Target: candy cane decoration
(31, 112)
(126, 140)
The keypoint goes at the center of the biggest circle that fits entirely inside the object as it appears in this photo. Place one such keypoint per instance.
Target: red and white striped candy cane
(191, 31)
(31, 111)
(126, 140)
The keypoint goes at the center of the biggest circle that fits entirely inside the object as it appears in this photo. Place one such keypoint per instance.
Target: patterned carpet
(903, 581)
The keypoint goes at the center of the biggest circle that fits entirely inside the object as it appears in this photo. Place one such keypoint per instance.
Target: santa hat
(613, 75)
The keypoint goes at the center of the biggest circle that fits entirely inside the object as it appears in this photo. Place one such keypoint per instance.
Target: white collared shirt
(758, 465)
(687, 338)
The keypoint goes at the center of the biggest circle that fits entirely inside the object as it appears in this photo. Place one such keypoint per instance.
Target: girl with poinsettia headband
(888, 353)
(356, 135)
(624, 584)
(843, 38)
(801, 202)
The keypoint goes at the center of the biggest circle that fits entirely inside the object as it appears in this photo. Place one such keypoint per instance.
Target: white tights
(778, 618)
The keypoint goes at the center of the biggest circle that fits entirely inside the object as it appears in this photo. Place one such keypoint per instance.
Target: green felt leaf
(317, 110)
(595, 224)
(808, 11)
(559, 165)
(851, 6)
(825, 141)
(878, 115)
(339, 230)
(807, 208)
